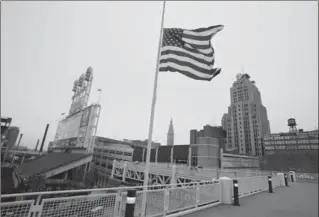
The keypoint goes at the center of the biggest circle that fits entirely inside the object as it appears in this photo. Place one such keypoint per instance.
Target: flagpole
(149, 142)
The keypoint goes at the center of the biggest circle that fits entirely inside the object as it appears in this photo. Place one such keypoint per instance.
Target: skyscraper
(170, 134)
(246, 121)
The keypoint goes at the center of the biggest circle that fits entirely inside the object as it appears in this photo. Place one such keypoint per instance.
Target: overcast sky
(45, 46)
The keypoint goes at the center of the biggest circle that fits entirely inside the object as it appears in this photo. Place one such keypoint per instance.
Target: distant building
(104, 153)
(12, 136)
(141, 143)
(291, 142)
(170, 134)
(246, 121)
(205, 155)
(50, 146)
(214, 135)
(193, 136)
(294, 150)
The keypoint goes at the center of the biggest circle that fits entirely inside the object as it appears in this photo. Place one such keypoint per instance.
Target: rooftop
(48, 162)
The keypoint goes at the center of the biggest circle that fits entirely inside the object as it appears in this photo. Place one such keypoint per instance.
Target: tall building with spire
(246, 122)
(170, 134)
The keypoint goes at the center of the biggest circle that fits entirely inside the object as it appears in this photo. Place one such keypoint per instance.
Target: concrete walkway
(297, 200)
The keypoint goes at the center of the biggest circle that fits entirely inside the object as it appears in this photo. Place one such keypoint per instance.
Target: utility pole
(44, 137)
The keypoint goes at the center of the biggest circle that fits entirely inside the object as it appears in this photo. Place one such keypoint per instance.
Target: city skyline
(42, 57)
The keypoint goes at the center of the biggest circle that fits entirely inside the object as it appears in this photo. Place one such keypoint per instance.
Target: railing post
(117, 205)
(270, 184)
(190, 157)
(124, 171)
(172, 155)
(166, 200)
(156, 155)
(236, 196)
(113, 168)
(130, 203)
(197, 194)
(221, 159)
(37, 206)
(173, 178)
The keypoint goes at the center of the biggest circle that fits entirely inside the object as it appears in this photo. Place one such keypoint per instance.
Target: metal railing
(307, 177)
(162, 200)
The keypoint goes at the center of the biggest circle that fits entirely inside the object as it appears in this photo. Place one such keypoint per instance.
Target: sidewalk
(297, 200)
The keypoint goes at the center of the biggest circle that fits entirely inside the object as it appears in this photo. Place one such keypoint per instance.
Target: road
(298, 200)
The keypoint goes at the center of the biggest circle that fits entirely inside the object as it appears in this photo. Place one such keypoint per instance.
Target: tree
(36, 183)
(90, 178)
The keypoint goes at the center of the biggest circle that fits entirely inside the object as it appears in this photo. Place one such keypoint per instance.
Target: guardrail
(253, 185)
(307, 177)
(162, 200)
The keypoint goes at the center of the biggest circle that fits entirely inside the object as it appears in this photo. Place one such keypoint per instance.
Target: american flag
(189, 52)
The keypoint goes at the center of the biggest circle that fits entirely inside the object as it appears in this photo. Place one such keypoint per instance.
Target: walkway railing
(307, 177)
(162, 200)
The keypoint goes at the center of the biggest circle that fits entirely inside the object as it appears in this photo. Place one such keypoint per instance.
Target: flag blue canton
(189, 52)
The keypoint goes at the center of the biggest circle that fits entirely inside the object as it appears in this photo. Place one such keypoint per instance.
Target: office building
(214, 135)
(291, 142)
(141, 143)
(294, 150)
(104, 153)
(246, 121)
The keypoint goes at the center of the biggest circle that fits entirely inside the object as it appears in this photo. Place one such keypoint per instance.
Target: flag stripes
(189, 52)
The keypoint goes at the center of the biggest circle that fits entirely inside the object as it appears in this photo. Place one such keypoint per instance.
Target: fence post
(270, 184)
(124, 171)
(166, 200)
(130, 203)
(236, 196)
(197, 194)
(117, 206)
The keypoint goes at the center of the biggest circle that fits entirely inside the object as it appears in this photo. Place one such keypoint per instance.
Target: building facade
(104, 153)
(291, 142)
(246, 121)
(142, 143)
(296, 151)
(214, 135)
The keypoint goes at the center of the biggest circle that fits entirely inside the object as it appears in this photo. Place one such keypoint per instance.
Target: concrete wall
(207, 155)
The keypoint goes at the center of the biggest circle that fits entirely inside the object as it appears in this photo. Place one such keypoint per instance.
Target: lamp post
(100, 93)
